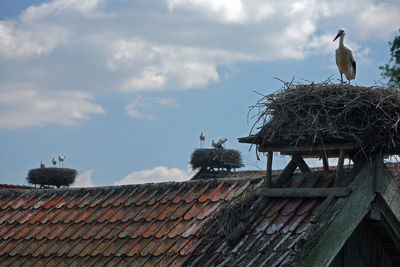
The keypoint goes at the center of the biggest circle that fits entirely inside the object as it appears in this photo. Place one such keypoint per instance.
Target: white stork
(202, 139)
(219, 143)
(61, 159)
(54, 161)
(42, 165)
(345, 59)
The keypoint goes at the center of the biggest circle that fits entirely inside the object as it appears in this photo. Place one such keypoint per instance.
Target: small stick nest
(216, 158)
(328, 113)
(46, 177)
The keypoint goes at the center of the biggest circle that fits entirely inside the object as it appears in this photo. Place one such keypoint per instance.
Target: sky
(124, 88)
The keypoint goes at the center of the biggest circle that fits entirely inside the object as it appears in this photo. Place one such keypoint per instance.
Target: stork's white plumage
(54, 161)
(219, 143)
(42, 165)
(202, 139)
(345, 59)
(61, 159)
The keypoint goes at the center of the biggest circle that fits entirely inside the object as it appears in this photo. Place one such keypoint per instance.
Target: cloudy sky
(124, 88)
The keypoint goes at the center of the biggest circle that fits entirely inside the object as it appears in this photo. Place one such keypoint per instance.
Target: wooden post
(269, 169)
(325, 162)
(339, 169)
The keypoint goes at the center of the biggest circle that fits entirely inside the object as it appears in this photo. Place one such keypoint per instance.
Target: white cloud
(21, 108)
(378, 21)
(168, 102)
(156, 175)
(163, 66)
(227, 11)
(84, 179)
(103, 46)
(15, 41)
(58, 7)
(143, 108)
(134, 110)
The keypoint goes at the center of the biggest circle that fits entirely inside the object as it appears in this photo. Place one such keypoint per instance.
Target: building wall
(363, 248)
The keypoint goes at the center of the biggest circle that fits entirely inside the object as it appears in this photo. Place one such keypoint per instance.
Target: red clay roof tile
(172, 194)
(153, 228)
(207, 211)
(131, 212)
(8, 200)
(166, 228)
(195, 210)
(193, 228)
(152, 224)
(207, 195)
(169, 210)
(190, 247)
(180, 228)
(18, 202)
(148, 197)
(165, 245)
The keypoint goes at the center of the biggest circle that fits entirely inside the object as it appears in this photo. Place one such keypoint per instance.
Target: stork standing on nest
(42, 165)
(202, 139)
(61, 159)
(345, 59)
(219, 143)
(54, 161)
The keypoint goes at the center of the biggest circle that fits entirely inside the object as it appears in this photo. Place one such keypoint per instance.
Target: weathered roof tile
(152, 224)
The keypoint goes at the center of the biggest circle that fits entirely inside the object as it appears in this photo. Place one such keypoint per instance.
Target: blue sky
(124, 88)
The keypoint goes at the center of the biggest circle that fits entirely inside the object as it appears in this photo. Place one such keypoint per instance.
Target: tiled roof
(271, 239)
(141, 225)
(11, 186)
(166, 224)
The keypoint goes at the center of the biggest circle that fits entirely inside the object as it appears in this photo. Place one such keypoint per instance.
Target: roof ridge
(213, 181)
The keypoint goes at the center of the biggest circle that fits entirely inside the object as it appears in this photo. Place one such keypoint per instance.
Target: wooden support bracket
(286, 173)
(301, 163)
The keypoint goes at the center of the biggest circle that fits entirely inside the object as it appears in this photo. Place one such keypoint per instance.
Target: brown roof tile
(138, 224)
(164, 224)
(282, 221)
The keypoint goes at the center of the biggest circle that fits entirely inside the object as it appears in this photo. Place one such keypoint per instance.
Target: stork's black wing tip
(353, 63)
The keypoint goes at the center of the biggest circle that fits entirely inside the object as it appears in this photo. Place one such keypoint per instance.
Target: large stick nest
(216, 158)
(326, 113)
(46, 177)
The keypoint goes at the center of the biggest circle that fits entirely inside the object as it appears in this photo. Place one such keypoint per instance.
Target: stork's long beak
(337, 36)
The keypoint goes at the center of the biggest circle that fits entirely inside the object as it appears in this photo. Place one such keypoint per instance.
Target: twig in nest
(308, 113)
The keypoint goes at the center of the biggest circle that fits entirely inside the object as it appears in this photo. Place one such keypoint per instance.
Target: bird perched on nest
(42, 165)
(54, 161)
(202, 139)
(345, 59)
(219, 143)
(61, 159)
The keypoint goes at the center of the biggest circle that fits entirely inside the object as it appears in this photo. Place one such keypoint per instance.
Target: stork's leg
(341, 78)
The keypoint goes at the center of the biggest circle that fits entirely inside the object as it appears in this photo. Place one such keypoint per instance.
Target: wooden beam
(269, 169)
(305, 148)
(339, 169)
(286, 173)
(305, 192)
(301, 163)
